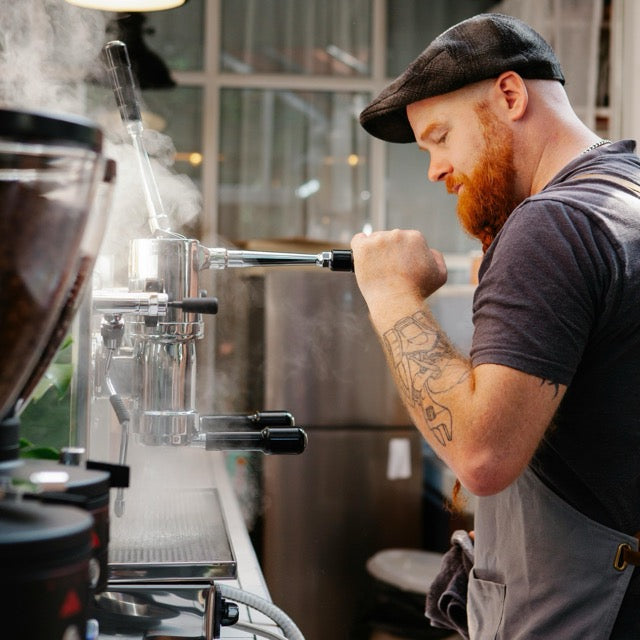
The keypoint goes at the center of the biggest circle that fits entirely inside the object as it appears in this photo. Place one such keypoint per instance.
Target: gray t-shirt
(559, 298)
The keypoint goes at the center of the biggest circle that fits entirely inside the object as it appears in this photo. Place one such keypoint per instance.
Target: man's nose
(439, 168)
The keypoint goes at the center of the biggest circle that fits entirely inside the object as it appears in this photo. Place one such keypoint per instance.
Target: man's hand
(396, 265)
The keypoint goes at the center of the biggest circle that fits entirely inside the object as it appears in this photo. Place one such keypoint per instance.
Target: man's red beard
(488, 196)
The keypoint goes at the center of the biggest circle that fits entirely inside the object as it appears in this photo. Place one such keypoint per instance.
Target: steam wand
(124, 88)
(112, 330)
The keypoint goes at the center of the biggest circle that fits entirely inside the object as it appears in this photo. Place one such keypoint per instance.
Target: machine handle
(271, 440)
(238, 422)
(273, 419)
(196, 305)
(341, 260)
(222, 258)
(124, 86)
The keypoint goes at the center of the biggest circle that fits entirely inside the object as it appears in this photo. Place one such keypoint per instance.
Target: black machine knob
(224, 613)
(229, 614)
(196, 305)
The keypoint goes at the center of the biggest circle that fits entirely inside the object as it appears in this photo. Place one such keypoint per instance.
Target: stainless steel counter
(174, 607)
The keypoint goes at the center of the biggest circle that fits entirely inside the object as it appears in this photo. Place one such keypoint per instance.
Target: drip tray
(179, 534)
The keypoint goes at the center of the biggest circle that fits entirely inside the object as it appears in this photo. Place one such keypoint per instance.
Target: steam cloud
(49, 49)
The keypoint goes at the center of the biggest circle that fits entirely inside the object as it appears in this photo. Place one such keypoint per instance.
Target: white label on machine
(399, 459)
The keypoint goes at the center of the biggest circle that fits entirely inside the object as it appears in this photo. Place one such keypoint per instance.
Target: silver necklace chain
(595, 145)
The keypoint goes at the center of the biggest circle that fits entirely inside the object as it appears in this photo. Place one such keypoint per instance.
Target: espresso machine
(55, 186)
(124, 534)
(171, 560)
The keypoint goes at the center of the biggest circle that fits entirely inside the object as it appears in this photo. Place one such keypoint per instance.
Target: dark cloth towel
(446, 605)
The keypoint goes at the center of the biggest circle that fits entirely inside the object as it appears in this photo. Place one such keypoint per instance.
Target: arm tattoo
(425, 366)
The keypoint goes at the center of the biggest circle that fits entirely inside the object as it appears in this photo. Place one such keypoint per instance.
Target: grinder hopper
(50, 232)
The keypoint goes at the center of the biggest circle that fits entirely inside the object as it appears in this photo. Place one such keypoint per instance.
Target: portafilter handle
(270, 440)
(241, 421)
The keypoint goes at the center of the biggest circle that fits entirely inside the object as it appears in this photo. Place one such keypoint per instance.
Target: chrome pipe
(221, 258)
(115, 302)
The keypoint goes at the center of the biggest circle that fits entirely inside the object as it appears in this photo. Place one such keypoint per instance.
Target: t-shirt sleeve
(535, 305)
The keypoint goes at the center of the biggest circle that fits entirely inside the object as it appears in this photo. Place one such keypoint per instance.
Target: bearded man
(542, 420)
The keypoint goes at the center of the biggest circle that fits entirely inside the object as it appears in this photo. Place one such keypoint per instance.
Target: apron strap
(625, 556)
(632, 186)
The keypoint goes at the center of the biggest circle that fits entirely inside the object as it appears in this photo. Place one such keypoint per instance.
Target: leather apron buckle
(625, 556)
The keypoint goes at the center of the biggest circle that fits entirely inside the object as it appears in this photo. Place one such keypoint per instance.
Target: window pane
(412, 24)
(177, 35)
(412, 202)
(291, 165)
(179, 113)
(415, 203)
(317, 37)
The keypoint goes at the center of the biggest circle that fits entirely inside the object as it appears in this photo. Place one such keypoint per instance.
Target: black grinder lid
(39, 127)
(37, 535)
(91, 487)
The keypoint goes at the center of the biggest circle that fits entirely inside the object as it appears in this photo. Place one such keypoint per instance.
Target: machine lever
(271, 440)
(124, 87)
(222, 258)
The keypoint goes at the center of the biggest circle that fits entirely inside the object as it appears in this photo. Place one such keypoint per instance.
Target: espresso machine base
(143, 610)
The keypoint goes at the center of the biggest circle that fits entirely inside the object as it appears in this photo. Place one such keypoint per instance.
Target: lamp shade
(128, 5)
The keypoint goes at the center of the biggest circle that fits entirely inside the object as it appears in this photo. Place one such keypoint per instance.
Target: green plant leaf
(41, 453)
(29, 450)
(58, 373)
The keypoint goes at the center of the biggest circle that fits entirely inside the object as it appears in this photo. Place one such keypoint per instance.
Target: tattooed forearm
(425, 366)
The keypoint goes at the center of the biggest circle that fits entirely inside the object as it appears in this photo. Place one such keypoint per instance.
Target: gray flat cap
(476, 49)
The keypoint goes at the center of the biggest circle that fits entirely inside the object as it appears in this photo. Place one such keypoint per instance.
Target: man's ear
(511, 94)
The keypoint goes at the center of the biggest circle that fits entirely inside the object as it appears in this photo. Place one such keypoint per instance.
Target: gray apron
(542, 569)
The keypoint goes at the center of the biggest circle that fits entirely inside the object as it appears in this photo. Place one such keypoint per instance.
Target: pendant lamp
(128, 5)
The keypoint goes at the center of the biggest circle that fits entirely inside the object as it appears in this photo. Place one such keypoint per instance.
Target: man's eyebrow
(429, 129)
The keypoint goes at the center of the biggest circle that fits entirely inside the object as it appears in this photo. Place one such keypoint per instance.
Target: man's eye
(443, 138)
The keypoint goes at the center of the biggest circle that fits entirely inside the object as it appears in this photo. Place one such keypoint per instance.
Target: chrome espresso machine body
(170, 551)
(171, 559)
